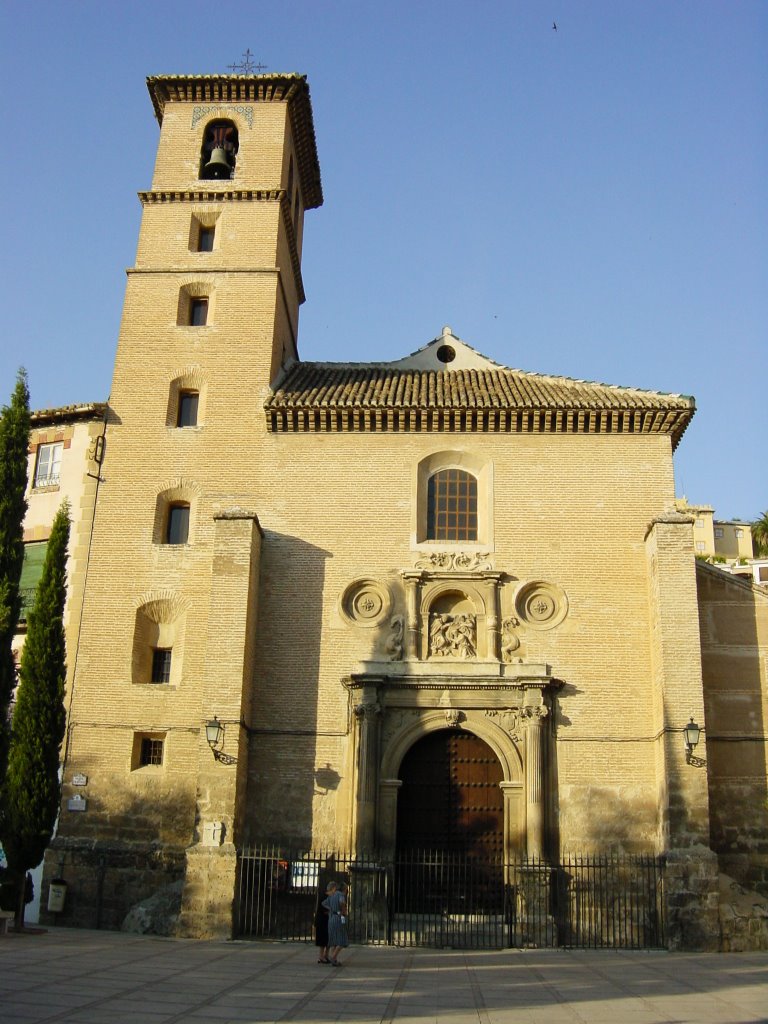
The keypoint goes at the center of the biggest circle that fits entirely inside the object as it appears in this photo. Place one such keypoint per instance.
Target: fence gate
(440, 898)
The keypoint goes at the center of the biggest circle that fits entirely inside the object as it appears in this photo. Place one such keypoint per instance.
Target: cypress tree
(14, 445)
(32, 787)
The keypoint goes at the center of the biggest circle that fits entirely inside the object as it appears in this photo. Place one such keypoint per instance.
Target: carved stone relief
(394, 643)
(395, 719)
(462, 621)
(508, 719)
(541, 605)
(453, 636)
(452, 561)
(535, 713)
(510, 641)
(368, 709)
(366, 602)
(452, 717)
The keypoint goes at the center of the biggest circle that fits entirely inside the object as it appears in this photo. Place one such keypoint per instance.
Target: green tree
(32, 787)
(14, 445)
(760, 535)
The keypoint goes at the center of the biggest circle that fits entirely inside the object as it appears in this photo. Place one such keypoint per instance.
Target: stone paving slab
(73, 976)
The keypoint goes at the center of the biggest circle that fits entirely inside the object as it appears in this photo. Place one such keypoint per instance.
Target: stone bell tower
(170, 613)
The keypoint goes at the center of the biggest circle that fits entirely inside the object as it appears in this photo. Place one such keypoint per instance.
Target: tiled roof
(68, 413)
(347, 396)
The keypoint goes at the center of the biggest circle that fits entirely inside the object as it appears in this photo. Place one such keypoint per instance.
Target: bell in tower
(219, 151)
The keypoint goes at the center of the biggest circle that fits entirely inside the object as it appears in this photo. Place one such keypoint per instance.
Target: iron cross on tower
(246, 66)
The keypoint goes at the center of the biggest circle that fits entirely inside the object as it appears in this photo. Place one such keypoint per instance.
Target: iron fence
(442, 898)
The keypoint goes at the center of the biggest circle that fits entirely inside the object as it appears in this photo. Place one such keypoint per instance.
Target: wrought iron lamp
(691, 735)
(214, 734)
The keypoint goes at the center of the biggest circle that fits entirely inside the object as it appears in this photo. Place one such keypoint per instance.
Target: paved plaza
(92, 977)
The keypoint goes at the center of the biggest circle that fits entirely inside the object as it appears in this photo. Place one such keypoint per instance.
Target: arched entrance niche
(454, 621)
(450, 798)
(477, 808)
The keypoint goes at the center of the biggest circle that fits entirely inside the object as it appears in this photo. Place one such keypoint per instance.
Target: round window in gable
(446, 353)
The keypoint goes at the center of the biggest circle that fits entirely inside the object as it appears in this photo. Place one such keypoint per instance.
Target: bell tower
(236, 170)
(170, 610)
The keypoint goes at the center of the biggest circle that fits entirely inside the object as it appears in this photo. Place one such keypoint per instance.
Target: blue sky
(589, 201)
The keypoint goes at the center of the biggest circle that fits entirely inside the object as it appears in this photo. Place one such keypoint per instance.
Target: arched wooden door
(450, 797)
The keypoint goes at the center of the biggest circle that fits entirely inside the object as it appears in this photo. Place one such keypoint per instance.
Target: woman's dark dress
(321, 927)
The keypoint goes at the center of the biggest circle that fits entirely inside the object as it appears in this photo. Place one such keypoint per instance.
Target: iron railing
(443, 898)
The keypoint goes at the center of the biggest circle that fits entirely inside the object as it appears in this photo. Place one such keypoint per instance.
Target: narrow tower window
(188, 404)
(161, 665)
(205, 238)
(177, 531)
(198, 312)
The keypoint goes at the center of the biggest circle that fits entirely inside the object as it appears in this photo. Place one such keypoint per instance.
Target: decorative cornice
(380, 397)
(416, 676)
(209, 195)
(470, 575)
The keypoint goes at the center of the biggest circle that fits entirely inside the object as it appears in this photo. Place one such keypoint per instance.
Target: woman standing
(336, 905)
(321, 927)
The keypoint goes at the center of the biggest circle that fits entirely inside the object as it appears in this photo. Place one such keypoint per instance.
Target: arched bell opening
(219, 151)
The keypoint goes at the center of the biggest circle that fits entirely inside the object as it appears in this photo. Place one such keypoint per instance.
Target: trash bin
(57, 894)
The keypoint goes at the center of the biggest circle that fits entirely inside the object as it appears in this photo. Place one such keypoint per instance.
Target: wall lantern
(691, 735)
(214, 733)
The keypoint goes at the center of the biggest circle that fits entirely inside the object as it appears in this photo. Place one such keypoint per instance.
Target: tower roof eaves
(290, 87)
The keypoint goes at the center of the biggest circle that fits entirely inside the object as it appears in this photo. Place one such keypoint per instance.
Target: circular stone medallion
(366, 602)
(541, 605)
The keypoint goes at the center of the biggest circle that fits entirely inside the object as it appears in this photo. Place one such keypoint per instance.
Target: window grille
(151, 751)
(161, 665)
(452, 506)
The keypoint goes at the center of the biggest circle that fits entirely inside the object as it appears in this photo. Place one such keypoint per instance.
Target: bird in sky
(554, 26)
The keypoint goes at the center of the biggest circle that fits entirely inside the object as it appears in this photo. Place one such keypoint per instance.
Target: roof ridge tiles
(379, 384)
(499, 370)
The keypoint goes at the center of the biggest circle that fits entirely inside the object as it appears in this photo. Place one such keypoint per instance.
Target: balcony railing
(51, 480)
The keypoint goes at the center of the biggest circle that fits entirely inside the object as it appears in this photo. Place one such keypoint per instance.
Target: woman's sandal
(323, 960)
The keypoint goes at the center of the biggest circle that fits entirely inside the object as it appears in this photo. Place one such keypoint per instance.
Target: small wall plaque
(213, 833)
(79, 780)
(77, 803)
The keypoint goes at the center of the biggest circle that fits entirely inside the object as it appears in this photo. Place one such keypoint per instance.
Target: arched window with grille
(452, 506)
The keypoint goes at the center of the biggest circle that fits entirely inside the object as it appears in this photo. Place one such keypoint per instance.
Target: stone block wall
(734, 638)
(691, 892)
(105, 879)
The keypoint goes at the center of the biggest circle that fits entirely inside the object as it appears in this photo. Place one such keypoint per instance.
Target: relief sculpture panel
(453, 636)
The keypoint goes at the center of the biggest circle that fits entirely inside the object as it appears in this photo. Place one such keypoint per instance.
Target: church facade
(316, 588)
